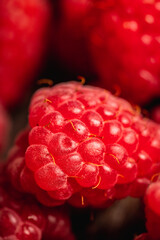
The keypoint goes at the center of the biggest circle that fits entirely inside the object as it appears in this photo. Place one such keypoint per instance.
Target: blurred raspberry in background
(24, 28)
(116, 40)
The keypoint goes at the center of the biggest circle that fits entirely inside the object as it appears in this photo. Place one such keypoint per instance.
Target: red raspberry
(119, 39)
(75, 153)
(23, 40)
(4, 128)
(23, 218)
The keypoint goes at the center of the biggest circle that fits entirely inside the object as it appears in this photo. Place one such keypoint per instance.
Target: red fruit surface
(153, 197)
(75, 153)
(23, 218)
(152, 222)
(23, 41)
(152, 212)
(117, 40)
(4, 128)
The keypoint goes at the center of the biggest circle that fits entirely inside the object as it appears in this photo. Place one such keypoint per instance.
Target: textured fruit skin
(85, 146)
(23, 218)
(122, 40)
(4, 128)
(23, 40)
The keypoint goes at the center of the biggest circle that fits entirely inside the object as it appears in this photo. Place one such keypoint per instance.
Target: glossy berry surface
(23, 31)
(120, 40)
(23, 218)
(78, 150)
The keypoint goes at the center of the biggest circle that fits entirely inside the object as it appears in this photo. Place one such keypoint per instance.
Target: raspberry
(23, 45)
(23, 218)
(4, 128)
(74, 153)
(9, 221)
(119, 42)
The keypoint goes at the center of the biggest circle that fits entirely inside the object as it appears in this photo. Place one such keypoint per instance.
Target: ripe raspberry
(78, 150)
(4, 128)
(23, 218)
(23, 40)
(121, 40)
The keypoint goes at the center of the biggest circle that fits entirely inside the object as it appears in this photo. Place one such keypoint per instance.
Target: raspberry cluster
(117, 40)
(85, 146)
(23, 218)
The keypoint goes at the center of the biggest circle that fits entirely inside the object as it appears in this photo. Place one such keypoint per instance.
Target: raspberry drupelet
(23, 218)
(85, 146)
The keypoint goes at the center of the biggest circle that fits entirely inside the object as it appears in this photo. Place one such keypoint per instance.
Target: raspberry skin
(117, 41)
(74, 152)
(23, 218)
(23, 41)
